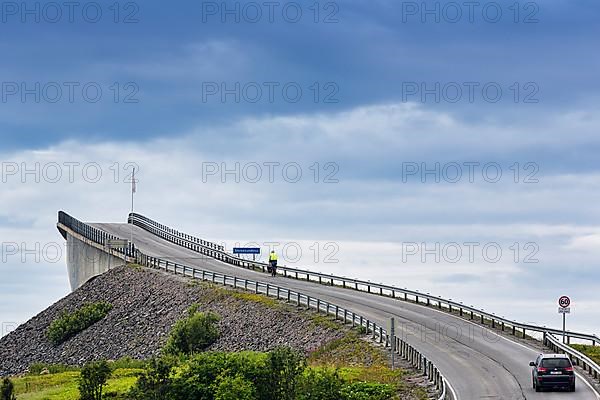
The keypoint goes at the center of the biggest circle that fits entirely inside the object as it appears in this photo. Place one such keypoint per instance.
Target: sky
(448, 147)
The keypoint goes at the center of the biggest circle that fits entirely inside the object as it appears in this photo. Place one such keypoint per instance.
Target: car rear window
(556, 363)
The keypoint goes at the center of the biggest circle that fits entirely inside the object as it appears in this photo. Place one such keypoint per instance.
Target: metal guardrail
(377, 333)
(94, 234)
(578, 358)
(175, 234)
(512, 326)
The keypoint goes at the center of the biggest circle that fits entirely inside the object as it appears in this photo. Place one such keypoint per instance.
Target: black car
(552, 371)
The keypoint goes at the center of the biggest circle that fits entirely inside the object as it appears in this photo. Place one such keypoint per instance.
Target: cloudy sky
(441, 147)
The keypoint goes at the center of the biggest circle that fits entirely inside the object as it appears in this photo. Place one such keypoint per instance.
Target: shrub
(367, 391)
(70, 324)
(317, 384)
(93, 379)
(234, 388)
(285, 366)
(6, 390)
(194, 333)
(155, 382)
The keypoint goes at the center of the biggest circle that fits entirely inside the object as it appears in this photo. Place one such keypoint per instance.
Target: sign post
(563, 308)
(392, 331)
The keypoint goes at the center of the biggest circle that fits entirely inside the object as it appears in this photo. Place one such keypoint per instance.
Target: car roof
(554, 356)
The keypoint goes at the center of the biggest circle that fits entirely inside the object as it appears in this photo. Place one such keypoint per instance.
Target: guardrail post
(428, 302)
(297, 299)
(256, 287)
(482, 318)
(268, 287)
(337, 309)
(502, 326)
(318, 306)
(471, 315)
(417, 299)
(331, 281)
(524, 333)
(345, 316)
(514, 330)
(380, 335)
(493, 323)
(344, 283)
(235, 282)
(461, 311)
(288, 295)
(278, 292)
(440, 304)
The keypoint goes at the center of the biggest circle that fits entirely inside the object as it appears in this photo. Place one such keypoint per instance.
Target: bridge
(465, 352)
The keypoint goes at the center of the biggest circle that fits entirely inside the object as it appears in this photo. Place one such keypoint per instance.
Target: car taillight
(569, 369)
(542, 369)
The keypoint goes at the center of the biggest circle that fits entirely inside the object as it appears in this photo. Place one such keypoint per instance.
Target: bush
(6, 390)
(286, 366)
(70, 324)
(367, 391)
(324, 384)
(194, 333)
(234, 388)
(92, 380)
(155, 382)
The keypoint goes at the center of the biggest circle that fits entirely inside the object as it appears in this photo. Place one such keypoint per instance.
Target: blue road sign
(246, 250)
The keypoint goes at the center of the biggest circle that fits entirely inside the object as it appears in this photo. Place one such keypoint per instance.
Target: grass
(592, 352)
(63, 385)
(357, 360)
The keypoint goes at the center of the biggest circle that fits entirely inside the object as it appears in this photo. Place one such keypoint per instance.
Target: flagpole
(132, 193)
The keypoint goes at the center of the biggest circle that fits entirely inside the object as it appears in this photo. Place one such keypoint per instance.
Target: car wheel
(573, 387)
(537, 388)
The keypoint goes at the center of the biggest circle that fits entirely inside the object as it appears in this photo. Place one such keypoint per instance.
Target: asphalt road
(478, 363)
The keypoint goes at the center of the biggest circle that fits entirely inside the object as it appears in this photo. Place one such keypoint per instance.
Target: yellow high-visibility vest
(273, 257)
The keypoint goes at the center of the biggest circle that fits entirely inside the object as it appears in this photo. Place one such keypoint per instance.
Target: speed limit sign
(564, 301)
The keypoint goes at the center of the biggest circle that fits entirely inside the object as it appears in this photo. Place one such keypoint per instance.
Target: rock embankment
(146, 305)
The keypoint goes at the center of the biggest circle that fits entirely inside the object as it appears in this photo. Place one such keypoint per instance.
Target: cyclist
(273, 262)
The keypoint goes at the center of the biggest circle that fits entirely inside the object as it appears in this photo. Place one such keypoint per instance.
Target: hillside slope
(146, 304)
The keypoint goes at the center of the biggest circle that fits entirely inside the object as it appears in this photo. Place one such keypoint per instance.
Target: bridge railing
(376, 332)
(173, 234)
(579, 359)
(96, 235)
(470, 312)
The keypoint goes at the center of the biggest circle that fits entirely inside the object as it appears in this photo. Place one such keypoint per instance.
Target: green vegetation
(64, 385)
(280, 374)
(92, 380)
(7, 390)
(592, 352)
(70, 324)
(194, 333)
